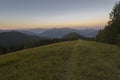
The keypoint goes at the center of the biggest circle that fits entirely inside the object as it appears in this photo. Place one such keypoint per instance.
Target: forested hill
(13, 37)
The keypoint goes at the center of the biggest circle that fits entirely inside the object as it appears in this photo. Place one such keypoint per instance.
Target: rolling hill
(73, 36)
(73, 60)
(13, 37)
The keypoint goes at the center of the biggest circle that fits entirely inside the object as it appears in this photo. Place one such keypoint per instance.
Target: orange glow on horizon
(87, 24)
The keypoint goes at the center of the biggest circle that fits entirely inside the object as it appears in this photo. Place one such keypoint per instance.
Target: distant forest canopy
(111, 33)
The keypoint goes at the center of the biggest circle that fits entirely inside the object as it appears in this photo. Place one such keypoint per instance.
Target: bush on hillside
(118, 40)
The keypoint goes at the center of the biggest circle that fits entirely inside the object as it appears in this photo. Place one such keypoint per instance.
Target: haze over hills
(60, 32)
(34, 31)
(56, 32)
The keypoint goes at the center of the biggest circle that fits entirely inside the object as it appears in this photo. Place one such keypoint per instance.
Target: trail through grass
(72, 63)
(73, 60)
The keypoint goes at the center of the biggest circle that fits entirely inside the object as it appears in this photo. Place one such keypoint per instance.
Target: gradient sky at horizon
(19, 14)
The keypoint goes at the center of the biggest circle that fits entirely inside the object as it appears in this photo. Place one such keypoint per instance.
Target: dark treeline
(34, 43)
(111, 33)
(30, 44)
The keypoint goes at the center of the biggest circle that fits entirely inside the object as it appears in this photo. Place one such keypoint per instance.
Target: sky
(23, 14)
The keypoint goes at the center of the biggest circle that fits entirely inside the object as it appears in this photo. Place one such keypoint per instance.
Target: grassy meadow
(72, 60)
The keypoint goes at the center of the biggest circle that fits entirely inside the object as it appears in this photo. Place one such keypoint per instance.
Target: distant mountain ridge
(60, 32)
(56, 32)
(35, 31)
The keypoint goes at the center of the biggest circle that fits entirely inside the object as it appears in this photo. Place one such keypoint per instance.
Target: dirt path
(71, 64)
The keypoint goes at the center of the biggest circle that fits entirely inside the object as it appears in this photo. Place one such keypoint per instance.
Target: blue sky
(17, 14)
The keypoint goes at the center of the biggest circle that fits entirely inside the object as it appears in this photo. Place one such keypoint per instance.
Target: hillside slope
(74, 60)
(13, 37)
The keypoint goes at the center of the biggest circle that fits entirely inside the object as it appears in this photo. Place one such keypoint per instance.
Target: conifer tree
(111, 32)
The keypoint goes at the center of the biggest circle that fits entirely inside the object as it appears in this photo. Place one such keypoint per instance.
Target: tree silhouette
(111, 32)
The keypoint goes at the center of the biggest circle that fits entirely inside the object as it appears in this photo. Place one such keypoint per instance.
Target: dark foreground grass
(75, 60)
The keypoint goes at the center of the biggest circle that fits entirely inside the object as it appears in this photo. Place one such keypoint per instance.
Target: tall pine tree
(111, 32)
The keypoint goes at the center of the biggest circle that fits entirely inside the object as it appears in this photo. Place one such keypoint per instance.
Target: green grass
(74, 60)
